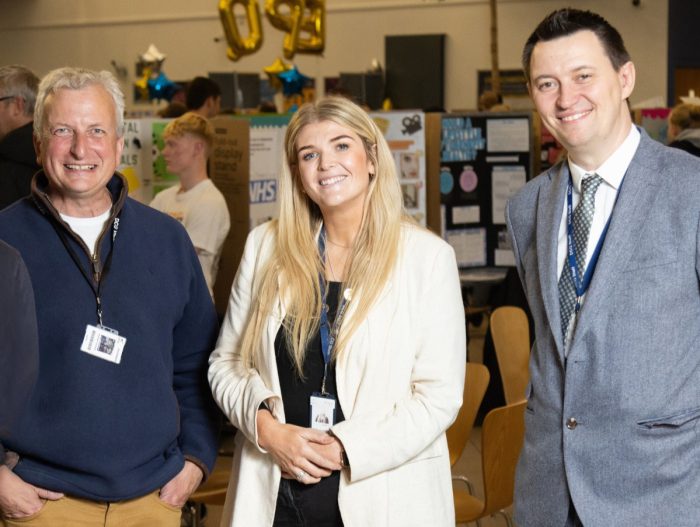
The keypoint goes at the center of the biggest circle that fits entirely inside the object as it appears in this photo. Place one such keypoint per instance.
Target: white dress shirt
(611, 171)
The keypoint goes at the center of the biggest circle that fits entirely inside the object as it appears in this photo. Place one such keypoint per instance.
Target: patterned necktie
(583, 216)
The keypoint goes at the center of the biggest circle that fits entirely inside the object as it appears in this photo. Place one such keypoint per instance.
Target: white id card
(322, 411)
(104, 343)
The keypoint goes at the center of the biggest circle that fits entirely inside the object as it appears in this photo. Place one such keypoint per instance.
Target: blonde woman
(684, 128)
(341, 358)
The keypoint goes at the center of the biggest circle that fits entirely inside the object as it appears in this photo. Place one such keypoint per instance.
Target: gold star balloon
(273, 70)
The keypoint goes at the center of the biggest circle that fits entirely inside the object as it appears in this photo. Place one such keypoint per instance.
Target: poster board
(654, 121)
(135, 159)
(142, 160)
(485, 158)
(229, 166)
(266, 160)
(403, 130)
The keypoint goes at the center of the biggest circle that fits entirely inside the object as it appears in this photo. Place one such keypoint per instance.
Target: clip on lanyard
(581, 283)
(328, 332)
(99, 276)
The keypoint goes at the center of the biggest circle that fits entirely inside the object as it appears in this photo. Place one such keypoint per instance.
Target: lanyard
(581, 283)
(99, 275)
(328, 333)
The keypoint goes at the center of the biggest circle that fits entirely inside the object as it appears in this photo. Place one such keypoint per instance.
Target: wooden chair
(511, 340)
(476, 380)
(501, 440)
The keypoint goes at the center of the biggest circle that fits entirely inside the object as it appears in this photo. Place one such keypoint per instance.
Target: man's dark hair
(565, 22)
(199, 90)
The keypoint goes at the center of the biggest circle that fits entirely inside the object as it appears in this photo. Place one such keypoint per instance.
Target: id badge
(321, 411)
(104, 343)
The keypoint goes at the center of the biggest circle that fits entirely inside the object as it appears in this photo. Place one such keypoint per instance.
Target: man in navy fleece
(121, 427)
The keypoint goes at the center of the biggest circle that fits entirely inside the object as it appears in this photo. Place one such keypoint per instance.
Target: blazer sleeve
(238, 389)
(377, 443)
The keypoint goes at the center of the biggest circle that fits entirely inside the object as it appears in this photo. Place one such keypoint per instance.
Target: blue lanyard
(328, 333)
(581, 283)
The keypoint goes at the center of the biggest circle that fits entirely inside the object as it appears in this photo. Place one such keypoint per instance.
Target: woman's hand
(302, 453)
(333, 450)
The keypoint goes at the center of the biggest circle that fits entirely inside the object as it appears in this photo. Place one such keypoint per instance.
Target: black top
(686, 145)
(297, 503)
(295, 391)
(17, 164)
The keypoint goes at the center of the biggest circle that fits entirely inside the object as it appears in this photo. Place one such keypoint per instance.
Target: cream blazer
(400, 386)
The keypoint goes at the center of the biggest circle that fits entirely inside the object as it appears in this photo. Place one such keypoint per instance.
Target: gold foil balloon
(303, 21)
(314, 24)
(141, 85)
(237, 45)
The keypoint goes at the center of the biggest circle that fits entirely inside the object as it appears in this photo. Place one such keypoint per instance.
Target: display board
(229, 166)
(485, 158)
(403, 130)
(266, 158)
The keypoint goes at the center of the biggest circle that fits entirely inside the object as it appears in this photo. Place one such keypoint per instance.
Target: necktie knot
(590, 184)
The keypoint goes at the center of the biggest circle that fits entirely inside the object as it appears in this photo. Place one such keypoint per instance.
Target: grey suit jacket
(632, 376)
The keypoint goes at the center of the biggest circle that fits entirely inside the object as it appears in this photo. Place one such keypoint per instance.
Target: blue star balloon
(292, 81)
(161, 87)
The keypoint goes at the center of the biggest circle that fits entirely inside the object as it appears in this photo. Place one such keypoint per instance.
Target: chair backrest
(511, 340)
(501, 440)
(476, 379)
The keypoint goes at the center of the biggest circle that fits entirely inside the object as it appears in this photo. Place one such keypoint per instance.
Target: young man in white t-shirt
(195, 202)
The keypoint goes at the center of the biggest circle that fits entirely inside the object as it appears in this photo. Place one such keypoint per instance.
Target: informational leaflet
(505, 182)
(508, 135)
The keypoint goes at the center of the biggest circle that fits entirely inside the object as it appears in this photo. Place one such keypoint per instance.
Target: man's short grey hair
(18, 81)
(76, 79)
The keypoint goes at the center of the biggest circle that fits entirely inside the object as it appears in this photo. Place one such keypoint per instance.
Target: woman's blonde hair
(193, 124)
(685, 116)
(295, 258)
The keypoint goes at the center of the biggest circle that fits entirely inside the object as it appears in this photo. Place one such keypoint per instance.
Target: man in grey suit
(607, 244)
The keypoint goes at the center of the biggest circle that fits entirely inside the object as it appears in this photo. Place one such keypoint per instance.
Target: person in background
(18, 161)
(195, 202)
(19, 346)
(203, 96)
(684, 128)
(345, 311)
(172, 110)
(121, 427)
(606, 246)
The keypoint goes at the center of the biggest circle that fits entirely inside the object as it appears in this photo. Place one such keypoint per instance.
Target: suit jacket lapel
(627, 226)
(550, 207)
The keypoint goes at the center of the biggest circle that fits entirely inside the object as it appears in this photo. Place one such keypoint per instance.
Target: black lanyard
(99, 276)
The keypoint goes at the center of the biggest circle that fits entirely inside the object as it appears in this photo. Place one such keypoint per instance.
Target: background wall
(44, 34)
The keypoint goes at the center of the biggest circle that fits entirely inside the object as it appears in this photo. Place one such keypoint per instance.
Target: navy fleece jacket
(95, 429)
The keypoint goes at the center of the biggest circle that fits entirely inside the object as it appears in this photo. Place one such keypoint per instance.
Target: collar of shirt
(613, 169)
